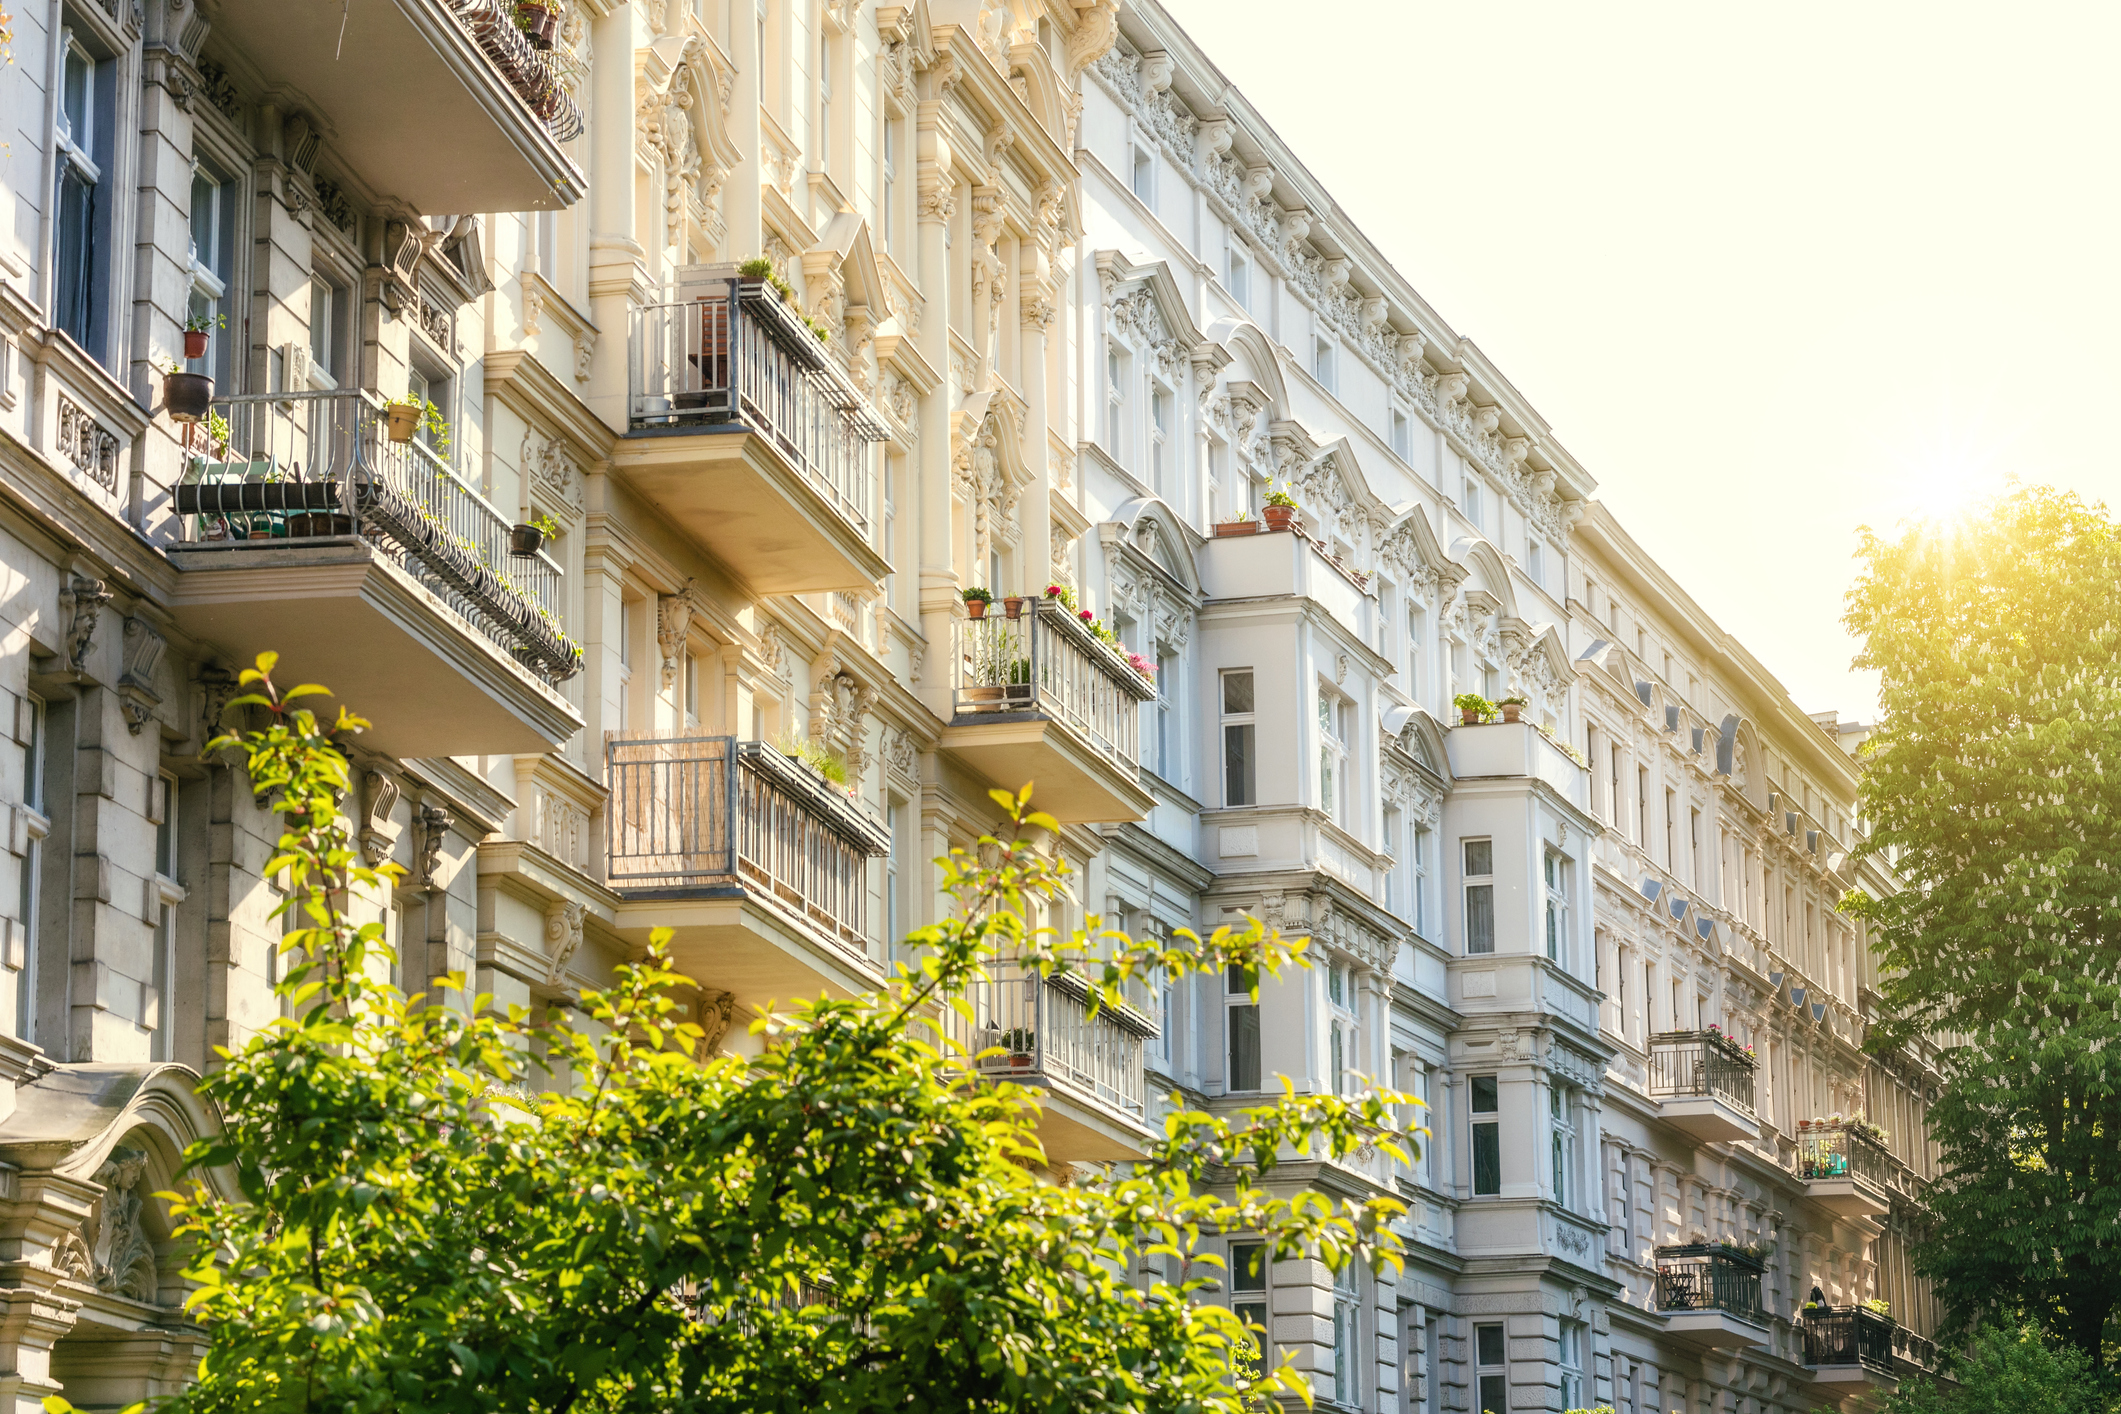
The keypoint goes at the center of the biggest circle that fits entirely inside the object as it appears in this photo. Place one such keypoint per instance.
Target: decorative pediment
(1145, 307)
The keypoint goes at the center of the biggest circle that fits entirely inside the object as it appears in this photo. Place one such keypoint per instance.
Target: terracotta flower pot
(1279, 517)
(1013, 605)
(1237, 527)
(1511, 713)
(187, 395)
(195, 343)
(402, 420)
(1469, 717)
(976, 608)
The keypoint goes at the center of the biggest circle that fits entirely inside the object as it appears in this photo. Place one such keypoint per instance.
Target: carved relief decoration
(111, 1250)
(381, 792)
(679, 132)
(88, 445)
(141, 660)
(554, 479)
(563, 937)
(80, 605)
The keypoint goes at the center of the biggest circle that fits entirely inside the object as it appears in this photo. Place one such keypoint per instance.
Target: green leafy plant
(1473, 702)
(976, 595)
(1512, 702)
(1280, 496)
(431, 422)
(546, 525)
(819, 758)
(202, 323)
(2007, 1370)
(1878, 1306)
(448, 1208)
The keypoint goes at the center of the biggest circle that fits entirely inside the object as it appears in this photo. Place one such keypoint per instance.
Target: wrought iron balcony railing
(306, 467)
(534, 74)
(1847, 1335)
(723, 349)
(704, 815)
(1708, 1276)
(1042, 1029)
(1043, 662)
(1686, 1063)
(1846, 1149)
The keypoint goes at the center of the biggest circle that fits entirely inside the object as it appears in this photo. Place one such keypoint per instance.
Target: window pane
(1248, 1266)
(1561, 1172)
(1480, 857)
(1487, 1158)
(1237, 693)
(1237, 764)
(1494, 1395)
(1244, 1047)
(1490, 1351)
(1480, 918)
(1487, 1095)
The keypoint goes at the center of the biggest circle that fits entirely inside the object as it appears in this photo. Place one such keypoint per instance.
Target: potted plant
(1879, 1306)
(1062, 595)
(1020, 1042)
(185, 396)
(1473, 709)
(1013, 605)
(529, 537)
(1512, 708)
(402, 416)
(198, 329)
(1281, 510)
(539, 20)
(1240, 524)
(976, 602)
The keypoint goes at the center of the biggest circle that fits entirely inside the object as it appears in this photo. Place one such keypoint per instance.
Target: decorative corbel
(141, 657)
(434, 823)
(673, 618)
(563, 937)
(80, 602)
(380, 792)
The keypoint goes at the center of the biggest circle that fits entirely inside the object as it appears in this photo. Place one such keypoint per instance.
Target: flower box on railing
(1110, 659)
(847, 813)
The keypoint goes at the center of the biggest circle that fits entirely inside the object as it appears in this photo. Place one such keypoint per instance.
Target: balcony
(1703, 1082)
(1041, 1032)
(440, 104)
(759, 864)
(1913, 1354)
(747, 434)
(1040, 699)
(1848, 1347)
(1710, 1294)
(1845, 1169)
(371, 568)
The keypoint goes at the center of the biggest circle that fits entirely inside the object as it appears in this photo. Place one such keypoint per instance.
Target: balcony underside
(1073, 783)
(736, 942)
(1073, 1130)
(1849, 1197)
(341, 616)
(1852, 1382)
(741, 499)
(1708, 1119)
(1714, 1330)
(413, 106)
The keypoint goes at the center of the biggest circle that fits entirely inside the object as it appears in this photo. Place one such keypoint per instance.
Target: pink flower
(1053, 591)
(1141, 665)
(1085, 615)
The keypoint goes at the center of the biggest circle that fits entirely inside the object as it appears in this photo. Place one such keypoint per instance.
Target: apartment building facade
(613, 402)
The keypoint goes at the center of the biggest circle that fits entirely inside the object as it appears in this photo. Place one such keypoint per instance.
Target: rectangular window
(1145, 177)
(1557, 908)
(1480, 896)
(1220, 505)
(896, 873)
(1402, 436)
(1323, 365)
(1486, 1094)
(1333, 715)
(1115, 401)
(1243, 1017)
(1642, 806)
(629, 617)
(1248, 1287)
(1336, 1061)
(824, 103)
(545, 244)
(692, 689)
(1421, 881)
(1572, 1396)
(1535, 562)
(1671, 842)
(31, 726)
(83, 200)
(1491, 1369)
(1159, 438)
(890, 201)
(1473, 507)
(1239, 766)
(1694, 848)
(1346, 1384)
(1239, 277)
(330, 331)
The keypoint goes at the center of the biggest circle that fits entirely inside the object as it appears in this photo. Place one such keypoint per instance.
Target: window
(1486, 1094)
(1238, 277)
(1239, 766)
(422, 388)
(1417, 640)
(629, 622)
(1473, 505)
(1336, 1061)
(1612, 800)
(1242, 1014)
(1346, 1384)
(82, 203)
(1642, 806)
(1557, 907)
(1115, 400)
(212, 257)
(1491, 1369)
(1334, 717)
(1694, 848)
(1402, 436)
(1219, 502)
(1421, 880)
(1248, 1286)
(824, 103)
(330, 332)
(1323, 365)
(1159, 437)
(1572, 1396)
(1480, 896)
(22, 954)
(1144, 178)
(890, 202)
(1535, 562)
(692, 688)
(545, 244)
(1562, 1140)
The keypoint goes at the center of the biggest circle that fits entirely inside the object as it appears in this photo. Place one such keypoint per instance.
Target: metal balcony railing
(312, 466)
(1685, 1063)
(693, 815)
(1044, 662)
(534, 74)
(1708, 1276)
(1845, 1149)
(1042, 1029)
(1847, 1335)
(724, 349)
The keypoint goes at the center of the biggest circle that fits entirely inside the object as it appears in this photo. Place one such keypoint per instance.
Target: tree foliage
(1985, 787)
(2008, 1370)
(430, 1221)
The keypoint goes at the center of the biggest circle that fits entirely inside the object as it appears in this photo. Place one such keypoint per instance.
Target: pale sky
(1770, 273)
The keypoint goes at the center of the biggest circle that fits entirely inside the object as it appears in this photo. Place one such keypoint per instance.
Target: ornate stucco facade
(1049, 304)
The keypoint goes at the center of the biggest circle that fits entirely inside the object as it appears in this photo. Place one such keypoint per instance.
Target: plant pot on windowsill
(1469, 716)
(1279, 517)
(187, 396)
(1236, 527)
(195, 343)
(1512, 711)
(1013, 606)
(402, 420)
(525, 540)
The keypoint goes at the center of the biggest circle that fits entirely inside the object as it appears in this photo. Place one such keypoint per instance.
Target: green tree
(1985, 787)
(2007, 1370)
(845, 1222)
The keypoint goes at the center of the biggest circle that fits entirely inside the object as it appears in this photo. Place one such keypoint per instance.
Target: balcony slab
(1714, 1330)
(1708, 1119)
(343, 616)
(1849, 1197)
(733, 941)
(737, 494)
(416, 109)
(1070, 781)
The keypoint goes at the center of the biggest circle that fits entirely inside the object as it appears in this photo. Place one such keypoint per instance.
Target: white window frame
(1237, 999)
(1478, 892)
(1325, 364)
(1161, 402)
(1402, 434)
(1334, 766)
(75, 155)
(1245, 722)
(1554, 869)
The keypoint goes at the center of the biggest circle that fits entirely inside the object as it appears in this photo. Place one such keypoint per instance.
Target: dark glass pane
(1487, 1158)
(1489, 1340)
(77, 251)
(1480, 918)
(1237, 764)
(1486, 1095)
(1480, 856)
(1244, 1048)
(1237, 693)
(1248, 1266)
(1494, 1395)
